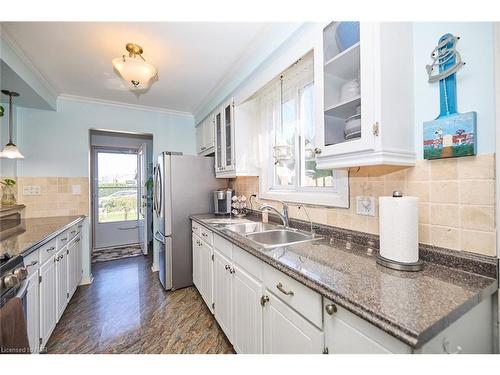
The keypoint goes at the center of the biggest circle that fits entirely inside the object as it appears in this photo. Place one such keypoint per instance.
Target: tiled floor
(125, 310)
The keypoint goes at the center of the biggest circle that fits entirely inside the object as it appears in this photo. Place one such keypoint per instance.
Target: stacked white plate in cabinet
(349, 90)
(399, 232)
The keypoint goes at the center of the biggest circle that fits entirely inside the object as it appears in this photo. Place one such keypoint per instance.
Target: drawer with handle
(72, 232)
(195, 228)
(304, 300)
(206, 235)
(32, 262)
(47, 251)
(62, 240)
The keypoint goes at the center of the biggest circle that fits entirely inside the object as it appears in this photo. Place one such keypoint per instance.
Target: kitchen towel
(13, 331)
(399, 228)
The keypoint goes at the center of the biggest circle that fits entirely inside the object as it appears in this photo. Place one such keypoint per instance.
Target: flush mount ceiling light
(10, 150)
(134, 69)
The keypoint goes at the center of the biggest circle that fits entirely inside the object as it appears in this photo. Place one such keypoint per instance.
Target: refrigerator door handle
(159, 237)
(160, 193)
(157, 191)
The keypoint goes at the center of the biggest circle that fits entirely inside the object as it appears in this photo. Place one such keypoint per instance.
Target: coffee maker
(222, 201)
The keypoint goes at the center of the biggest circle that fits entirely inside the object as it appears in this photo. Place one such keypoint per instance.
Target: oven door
(22, 294)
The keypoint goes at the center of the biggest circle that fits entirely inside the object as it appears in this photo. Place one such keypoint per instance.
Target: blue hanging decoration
(451, 134)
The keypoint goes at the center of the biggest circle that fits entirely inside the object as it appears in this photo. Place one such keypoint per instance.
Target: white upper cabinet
(205, 136)
(365, 112)
(236, 147)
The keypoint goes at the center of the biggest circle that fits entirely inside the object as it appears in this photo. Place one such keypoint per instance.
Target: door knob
(331, 309)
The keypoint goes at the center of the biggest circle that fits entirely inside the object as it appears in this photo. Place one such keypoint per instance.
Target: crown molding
(138, 107)
(16, 48)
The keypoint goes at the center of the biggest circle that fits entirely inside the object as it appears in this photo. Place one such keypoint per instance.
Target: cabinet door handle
(77, 240)
(446, 344)
(317, 151)
(64, 239)
(51, 248)
(264, 300)
(282, 290)
(331, 309)
(33, 263)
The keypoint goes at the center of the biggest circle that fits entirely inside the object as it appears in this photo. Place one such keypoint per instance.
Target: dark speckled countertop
(32, 233)
(412, 306)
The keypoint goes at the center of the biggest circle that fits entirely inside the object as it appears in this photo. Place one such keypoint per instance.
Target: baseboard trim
(87, 280)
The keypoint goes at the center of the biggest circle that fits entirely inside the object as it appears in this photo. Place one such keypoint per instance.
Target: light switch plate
(32, 190)
(76, 189)
(365, 205)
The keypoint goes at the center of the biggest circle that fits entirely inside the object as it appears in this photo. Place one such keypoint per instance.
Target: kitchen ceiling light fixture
(134, 69)
(10, 150)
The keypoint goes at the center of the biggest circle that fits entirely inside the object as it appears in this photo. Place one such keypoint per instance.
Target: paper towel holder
(395, 265)
(399, 266)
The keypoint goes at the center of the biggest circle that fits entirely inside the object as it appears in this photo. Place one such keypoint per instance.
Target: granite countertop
(32, 233)
(412, 306)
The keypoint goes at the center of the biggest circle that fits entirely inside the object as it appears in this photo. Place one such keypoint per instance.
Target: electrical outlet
(31, 190)
(365, 205)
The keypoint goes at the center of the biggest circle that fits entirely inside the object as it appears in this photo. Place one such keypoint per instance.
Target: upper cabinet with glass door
(368, 98)
(236, 140)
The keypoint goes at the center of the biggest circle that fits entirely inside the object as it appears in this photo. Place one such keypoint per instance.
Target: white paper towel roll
(399, 228)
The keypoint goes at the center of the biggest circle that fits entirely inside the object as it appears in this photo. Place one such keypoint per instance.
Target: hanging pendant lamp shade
(134, 69)
(10, 150)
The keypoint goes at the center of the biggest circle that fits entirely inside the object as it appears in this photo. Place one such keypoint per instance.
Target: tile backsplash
(456, 200)
(54, 196)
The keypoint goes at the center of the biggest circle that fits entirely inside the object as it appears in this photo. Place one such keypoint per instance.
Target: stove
(12, 270)
(12, 276)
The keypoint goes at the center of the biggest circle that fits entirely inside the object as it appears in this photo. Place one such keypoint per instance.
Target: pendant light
(10, 150)
(134, 69)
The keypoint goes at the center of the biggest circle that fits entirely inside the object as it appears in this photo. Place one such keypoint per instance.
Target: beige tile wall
(456, 200)
(56, 198)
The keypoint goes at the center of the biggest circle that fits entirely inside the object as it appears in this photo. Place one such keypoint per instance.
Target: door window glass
(117, 189)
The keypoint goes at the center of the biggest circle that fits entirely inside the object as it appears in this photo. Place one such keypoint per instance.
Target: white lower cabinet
(48, 316)
(222, 291)
(246, 312)
(263, 310)
(33, 312)
(62, 265)
(52, 284)
(287, 332)
(206, 274)
(346, 333)
(74, 254)
(196, 261)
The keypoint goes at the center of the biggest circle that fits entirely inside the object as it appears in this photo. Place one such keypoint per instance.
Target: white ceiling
(191, 58)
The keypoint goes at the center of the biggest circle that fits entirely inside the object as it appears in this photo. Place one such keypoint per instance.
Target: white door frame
(496, 46)
(143, 214)
(94, 205)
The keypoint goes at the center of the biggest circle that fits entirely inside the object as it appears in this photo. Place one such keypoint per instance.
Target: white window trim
(335, 196)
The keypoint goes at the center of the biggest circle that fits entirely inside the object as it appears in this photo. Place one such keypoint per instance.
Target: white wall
(475, 81)
(57, 143)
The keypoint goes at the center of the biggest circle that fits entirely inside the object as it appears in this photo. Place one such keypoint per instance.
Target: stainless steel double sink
(272, 235)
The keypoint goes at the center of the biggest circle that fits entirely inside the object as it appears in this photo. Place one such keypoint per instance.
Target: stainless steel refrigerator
(183, 185)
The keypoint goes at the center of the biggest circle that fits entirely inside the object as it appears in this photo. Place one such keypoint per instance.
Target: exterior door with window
(143, 198)
(116, 198)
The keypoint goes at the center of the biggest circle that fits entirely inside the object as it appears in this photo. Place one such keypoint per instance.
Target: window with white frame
(287, 119)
